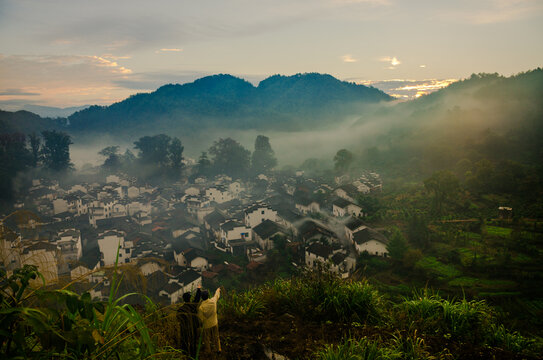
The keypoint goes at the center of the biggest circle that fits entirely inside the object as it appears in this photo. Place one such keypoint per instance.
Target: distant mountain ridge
(228, 101)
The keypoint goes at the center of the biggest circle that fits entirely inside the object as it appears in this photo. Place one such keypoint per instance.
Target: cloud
(170, 50)
(406, 88)
(63, 80)
(17, 92)
(370, 2)
(348, 58)
(497, 11)
(393, 61)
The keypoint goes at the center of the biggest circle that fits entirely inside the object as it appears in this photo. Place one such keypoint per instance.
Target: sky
(66, 53)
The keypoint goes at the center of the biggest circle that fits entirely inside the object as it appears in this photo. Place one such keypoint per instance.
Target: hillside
(485, 116)
(229, 102)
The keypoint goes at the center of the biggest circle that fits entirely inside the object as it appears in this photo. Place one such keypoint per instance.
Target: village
(179, 236)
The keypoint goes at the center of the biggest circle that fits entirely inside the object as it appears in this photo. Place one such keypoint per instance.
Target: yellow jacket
(207, 311)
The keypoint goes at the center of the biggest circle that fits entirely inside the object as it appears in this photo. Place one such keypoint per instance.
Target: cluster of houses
(170, 238)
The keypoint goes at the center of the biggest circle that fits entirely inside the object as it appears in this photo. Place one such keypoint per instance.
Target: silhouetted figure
(189, 323)
(207, 312)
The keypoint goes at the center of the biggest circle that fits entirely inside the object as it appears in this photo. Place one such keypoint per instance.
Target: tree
(444, 185)
(14, 158)
(153, 149)
(56, 150)
(417, 230)
(343, 160)
(35, 144)
(204, 165)
(160, 155)
(175, 156)
(397, 245)
(111, 153)
(230, 157)
(263, 159)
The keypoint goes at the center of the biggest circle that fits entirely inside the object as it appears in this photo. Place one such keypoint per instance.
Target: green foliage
(263, 159)
(464, 320)
(417, 230)
(14, 158)
(56, 150)
(342, 161)
(444, 185)
(351, 349)
(230, 157)
(397, 245)
(160, 155)
(434, 269)
(43, 323)
(245, 305)
(320, 296)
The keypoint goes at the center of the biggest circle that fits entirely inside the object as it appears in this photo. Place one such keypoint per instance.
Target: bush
(352, 349)
(324, 297)
(465, 320)
(245, 305)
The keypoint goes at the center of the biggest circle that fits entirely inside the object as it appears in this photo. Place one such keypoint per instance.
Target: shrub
(352, 349)
(324, 297)
(245, 305)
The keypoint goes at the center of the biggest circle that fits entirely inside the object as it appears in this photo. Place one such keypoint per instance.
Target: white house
(353, 225)
(69, 243)
(233, 230)
(44, 256)
(348, 192)
(173, 291)
(265, 231)
(307, 206)
(257, 213)
(370, 241)
(342, 207)
(192, 191)
(108, 243)
(235, 188)
(191, 258)
(219, 194)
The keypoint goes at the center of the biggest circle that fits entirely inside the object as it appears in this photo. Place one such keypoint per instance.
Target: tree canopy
(56, 150)
(230, 157)
(263, 159)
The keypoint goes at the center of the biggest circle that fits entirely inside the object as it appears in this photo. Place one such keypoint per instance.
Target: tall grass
(352, 349)
(323, 297)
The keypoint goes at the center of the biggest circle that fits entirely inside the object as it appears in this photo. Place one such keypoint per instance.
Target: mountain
(26, 122)
(53, 112)
(226, 101)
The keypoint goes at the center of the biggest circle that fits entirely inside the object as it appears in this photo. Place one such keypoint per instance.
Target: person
(189, 323)
(207, 313)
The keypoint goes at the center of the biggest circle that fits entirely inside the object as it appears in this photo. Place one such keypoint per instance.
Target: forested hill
(230, 102)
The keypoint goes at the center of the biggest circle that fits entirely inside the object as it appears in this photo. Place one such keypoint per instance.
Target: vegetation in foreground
(314, 315)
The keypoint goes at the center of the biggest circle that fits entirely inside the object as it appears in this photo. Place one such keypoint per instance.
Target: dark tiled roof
(368, 234)
(354, 223)
(320, 250)
(230, 225)
(341, 203)
(188, 276)
(338, 258)
(256, 207)
(267, 228)
(172, 287)
(310, 228)
(214, 219)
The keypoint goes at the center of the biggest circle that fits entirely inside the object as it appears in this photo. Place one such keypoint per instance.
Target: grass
(436, 269)
(498, 231)
(351, 349)
(470, 282)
